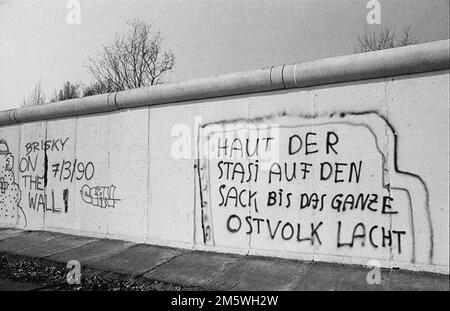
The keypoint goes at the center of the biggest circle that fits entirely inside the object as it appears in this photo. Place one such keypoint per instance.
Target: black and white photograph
(219, 154)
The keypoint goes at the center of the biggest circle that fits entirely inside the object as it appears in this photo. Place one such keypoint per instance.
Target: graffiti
(66, 170)
(44, 183)
(10, 193)
(39, 196)
(66, 200)
(40, 202)
(36, 172)
(3, 185)
(333, 187)
(100, 196)
(46, 145)
(275, 229)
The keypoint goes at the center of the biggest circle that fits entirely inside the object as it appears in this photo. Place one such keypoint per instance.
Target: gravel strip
(52, 276)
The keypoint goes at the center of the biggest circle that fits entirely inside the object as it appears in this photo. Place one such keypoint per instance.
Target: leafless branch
(386, 38)
(36, 96)
(133, 60)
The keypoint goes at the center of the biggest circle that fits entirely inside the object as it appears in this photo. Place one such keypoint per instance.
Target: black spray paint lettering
(290, 171)
(359, 233)
(68, 170)
(239, 149)
(334, 172)
(100, 196)
(39, 201)
(283, 230)
(28, 163)
(309, 143)
(33, 182)
(46, 145)
(311, 147)
(238, 171)
(315, 201)
(237, 197)
(361, 201)
(278, 198)
(40, 198)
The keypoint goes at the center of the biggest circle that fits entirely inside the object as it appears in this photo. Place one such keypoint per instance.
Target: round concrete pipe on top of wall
(427, 57)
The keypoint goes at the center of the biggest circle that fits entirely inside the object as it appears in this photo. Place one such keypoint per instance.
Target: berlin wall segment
(325, 185)
(36, 168)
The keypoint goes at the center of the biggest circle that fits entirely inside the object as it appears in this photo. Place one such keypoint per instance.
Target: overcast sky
(208, 37)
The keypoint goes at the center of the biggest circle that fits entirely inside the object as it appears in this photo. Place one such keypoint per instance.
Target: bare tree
(133, 60)
(36, 96)
(68, 91)
(385, 39)
(407, 37)
(97, 88)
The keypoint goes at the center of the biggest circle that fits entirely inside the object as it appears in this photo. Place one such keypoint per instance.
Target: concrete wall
(346, 172)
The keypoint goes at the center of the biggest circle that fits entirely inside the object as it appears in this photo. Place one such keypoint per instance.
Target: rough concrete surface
(130, 266)
(337, 172)
(137, 259)
(92, 252)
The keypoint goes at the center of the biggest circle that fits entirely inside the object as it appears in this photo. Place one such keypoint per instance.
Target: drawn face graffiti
(9, 190)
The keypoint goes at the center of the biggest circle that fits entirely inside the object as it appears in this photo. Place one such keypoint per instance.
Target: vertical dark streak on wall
(45, 168)
(45, 160)
(194, 233)
(411, 219)
(201, 200)
(53, 200)
(20, 190)
(427, 194)
(200, 188)
(397, 170)
(45, 171)
(66, 200)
